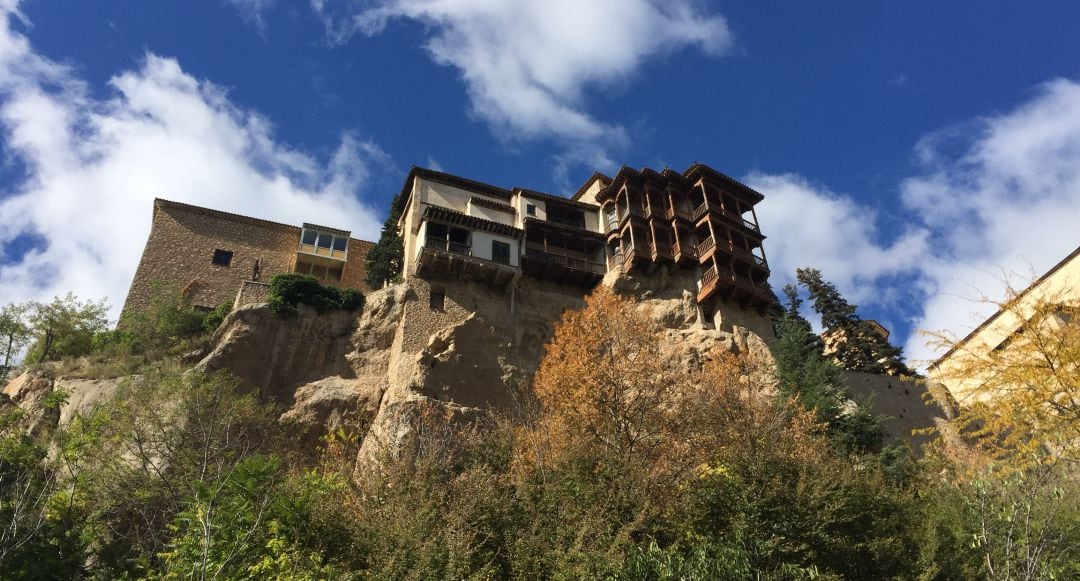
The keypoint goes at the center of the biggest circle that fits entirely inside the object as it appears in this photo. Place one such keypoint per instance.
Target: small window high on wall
(222, 257)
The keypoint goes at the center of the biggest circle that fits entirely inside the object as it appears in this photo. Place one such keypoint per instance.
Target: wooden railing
(686, 250)
(673, 213)
(567, 261)
(699, 211)
(709, 277)
(615, 261)
(705, 246)
(749, 256)
(660, 249)
(448, 246)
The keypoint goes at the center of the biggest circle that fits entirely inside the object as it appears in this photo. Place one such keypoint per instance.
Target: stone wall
(905, 402)
(178, 257)
(252, 292)
(179, 253)
(482, 343)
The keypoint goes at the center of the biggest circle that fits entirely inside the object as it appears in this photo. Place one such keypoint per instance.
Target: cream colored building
(699, 220)
(1060, 285)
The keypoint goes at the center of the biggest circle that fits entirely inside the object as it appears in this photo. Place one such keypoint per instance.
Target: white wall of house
(521, 204)
(491, 214)
(481, 246)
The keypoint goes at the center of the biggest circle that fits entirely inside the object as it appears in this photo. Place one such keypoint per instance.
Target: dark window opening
(222, 257)
(437, 300)
(500, 252)
(530, 209)
(567, 216)
(340, 243)
(310, 236)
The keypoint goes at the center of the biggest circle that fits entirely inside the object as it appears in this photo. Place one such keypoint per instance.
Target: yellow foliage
(1020, 398)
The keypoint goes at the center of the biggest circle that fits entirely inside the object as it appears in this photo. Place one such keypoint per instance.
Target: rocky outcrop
(406, 358)
(276, 354)
(30, 390)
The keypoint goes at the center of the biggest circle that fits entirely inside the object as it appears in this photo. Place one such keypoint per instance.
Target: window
(500, 252)
(222, 257)
(321, 243)
(530, 209)
(437, 300)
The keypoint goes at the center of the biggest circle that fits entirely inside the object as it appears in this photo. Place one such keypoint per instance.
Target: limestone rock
(327, 405)
(275, 354)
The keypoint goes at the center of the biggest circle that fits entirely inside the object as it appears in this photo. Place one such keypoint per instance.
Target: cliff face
(405, 357)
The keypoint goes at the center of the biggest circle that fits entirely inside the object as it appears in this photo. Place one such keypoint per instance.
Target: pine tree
(386, 259)
(802, 370)
(858, 347)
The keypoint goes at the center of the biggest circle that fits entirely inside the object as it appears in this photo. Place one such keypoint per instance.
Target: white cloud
(809, 225)
(253, 12)
(530, 65)
(93, 167)
(993, 196)
(1001, 194)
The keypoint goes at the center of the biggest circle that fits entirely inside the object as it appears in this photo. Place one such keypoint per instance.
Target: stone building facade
(212, 257)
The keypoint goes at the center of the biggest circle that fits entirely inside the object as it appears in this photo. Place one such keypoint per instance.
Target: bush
(289, 290)
(213, 319)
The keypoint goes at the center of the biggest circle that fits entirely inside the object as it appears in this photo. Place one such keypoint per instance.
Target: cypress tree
(802, 370)
(386, 259)
(858, 346)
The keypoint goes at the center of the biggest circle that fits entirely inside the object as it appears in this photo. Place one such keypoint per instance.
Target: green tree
(386, 259)
(858, 347)
(65, 327)
(803, 371)
(14, 333)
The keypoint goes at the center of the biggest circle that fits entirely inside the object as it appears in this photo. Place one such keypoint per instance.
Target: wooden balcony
(441, 256)
(561, 268)
(705, 209)
(660, 251)
(684, 252)
(615, 261)
(633, 211)
(729, 286)
(750, 258)
(674, 213)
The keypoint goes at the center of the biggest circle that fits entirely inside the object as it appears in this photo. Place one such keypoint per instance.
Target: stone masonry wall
(179, 253)
(178, 257)
(251, 293)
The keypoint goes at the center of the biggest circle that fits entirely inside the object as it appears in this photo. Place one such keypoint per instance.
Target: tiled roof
(486, 203)
(692, 173)
(585, 186)
(453, 217)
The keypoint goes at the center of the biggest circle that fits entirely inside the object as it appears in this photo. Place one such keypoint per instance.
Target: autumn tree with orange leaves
(603, 383)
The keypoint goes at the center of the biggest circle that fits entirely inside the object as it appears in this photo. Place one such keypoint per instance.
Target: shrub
(289, 290)
(213, 319)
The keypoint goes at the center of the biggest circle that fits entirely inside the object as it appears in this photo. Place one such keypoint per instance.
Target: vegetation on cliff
(287, 291)
(615, 466)
(387, 257)
(857, 345)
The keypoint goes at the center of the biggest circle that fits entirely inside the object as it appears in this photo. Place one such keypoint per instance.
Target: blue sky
(910, 150)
